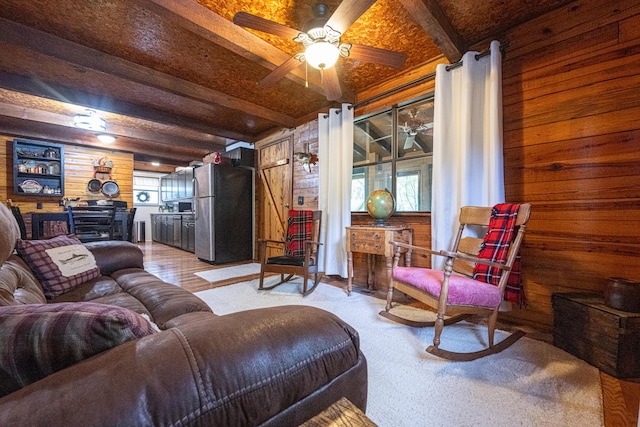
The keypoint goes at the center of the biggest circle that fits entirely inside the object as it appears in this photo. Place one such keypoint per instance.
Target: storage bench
(607, 338)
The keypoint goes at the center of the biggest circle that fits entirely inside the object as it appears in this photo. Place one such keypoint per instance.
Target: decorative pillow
(61, 264)
(40, 339)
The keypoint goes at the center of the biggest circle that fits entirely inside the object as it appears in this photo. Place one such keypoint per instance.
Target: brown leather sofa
(274, 367)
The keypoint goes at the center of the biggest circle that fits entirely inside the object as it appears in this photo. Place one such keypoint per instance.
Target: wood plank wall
(571, 81)
(78, 170)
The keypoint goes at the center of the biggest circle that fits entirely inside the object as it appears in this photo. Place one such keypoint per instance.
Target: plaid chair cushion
(299, 231)
(60, 264)
(40, 339)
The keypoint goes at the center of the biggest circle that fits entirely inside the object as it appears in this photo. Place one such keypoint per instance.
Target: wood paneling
(571, 133)
(78, 170)
(306, 182)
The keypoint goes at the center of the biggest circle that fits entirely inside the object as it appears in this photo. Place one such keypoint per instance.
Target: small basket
(102, 169)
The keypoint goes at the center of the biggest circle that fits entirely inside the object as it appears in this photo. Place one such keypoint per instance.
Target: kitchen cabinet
(174, 230)
(38, 168)
(188, 236)
(177, 185)
(156, 228)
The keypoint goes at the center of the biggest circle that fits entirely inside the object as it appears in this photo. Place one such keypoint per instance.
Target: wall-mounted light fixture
(90, 121)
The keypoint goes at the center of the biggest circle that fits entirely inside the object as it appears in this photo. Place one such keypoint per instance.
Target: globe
(380, 205)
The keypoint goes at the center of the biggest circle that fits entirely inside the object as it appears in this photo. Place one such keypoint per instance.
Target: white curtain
(467, 135)
(335, 160)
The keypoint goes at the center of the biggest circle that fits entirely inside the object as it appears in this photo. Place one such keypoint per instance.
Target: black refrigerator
(223, 210)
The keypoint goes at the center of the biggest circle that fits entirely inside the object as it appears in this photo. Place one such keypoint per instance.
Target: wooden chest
(607, 338)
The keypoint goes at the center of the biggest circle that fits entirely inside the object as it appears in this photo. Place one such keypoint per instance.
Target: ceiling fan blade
(245, 19)
(377, 56)
(331, 84)
(280, 72)
(347, 13)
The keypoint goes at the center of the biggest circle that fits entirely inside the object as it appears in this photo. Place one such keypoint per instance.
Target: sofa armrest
(215, 371)
(114, 255)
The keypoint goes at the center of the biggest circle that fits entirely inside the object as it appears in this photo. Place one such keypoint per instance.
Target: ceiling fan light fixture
(90, 121)
(322, 55)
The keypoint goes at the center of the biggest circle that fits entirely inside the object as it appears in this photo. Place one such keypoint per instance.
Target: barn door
(275, 192)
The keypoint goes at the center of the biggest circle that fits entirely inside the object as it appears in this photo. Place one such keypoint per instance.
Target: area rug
(226, 273)
(531, 383)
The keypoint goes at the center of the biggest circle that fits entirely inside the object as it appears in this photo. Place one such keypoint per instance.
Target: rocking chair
(300, 256)
(457, 291)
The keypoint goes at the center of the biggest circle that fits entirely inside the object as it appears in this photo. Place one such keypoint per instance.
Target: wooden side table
(374, 240)
(342, 413)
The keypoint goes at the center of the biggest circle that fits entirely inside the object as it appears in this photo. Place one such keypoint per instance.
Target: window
(146, 189)
(393, 149)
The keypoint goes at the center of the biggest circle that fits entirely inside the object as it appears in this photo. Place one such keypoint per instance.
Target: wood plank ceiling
(176, 79)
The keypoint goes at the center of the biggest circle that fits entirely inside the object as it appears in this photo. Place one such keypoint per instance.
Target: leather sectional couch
(157, 355)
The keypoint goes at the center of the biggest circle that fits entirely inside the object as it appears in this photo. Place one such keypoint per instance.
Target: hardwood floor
(621, 399)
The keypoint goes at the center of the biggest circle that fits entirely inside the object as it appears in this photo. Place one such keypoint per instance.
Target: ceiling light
(322, 55)
(155, 164)
(106, 138)
(90, 121)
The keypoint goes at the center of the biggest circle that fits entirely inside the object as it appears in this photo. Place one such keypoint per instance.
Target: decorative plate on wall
(30, 186)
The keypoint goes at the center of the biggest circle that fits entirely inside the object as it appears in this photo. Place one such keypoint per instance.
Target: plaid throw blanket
(299, 231)
(495, 247)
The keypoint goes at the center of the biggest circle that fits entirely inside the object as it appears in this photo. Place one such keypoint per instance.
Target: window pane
(367, 179)
(145, 182)
(415, 129)
(372, 140)
(413, 185)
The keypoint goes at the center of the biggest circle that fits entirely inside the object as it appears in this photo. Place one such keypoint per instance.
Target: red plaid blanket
(299, 231)
(495, 247)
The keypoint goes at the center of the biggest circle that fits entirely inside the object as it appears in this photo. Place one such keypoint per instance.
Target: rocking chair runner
(454, 290)
(300, 256)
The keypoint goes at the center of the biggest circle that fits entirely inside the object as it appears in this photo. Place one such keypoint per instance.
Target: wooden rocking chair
(300, 251)
(454, 292)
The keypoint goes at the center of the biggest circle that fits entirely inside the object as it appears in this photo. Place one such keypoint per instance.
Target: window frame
(365, 166)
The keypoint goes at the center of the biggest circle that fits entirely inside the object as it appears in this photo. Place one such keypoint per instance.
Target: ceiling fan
(414, 125)
(321, 40)
(410, 140)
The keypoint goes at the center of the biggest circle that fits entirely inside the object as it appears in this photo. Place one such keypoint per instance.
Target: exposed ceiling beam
(79, 55)
(170, 140)
(144, 150)
(30, 86)
(202, 21)
(435, 23)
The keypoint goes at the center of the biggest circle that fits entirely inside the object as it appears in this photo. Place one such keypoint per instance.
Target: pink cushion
(462, 290)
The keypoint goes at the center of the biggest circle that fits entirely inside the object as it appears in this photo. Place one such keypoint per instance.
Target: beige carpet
(532, 383)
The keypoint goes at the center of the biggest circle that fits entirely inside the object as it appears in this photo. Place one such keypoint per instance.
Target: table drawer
(368, 241)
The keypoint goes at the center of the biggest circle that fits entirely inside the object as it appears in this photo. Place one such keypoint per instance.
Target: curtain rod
(429, 76)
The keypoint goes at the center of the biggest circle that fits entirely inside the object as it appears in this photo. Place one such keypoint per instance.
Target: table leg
(371, 268)
(407, 255)
(349, 271)
(389, 260)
